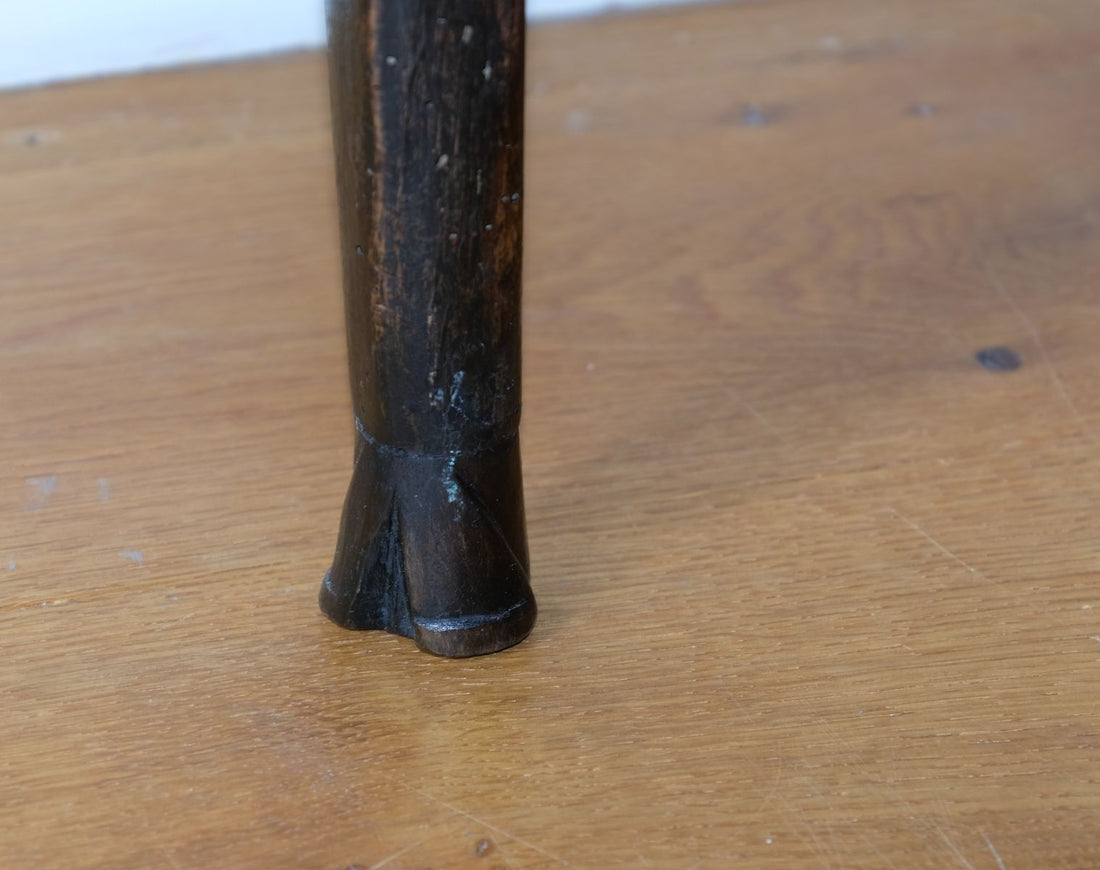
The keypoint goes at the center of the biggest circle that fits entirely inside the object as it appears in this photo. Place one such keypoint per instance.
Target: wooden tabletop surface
(817, 588)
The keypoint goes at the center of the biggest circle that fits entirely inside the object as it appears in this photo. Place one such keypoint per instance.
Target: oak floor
(816, 587)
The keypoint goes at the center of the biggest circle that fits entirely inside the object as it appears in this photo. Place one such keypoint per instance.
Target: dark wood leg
(427, 100)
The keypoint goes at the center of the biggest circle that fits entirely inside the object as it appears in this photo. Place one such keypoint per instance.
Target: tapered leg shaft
(427, 100)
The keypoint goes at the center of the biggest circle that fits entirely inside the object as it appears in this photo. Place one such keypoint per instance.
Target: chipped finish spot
(578, 121)
(753, 116)
(46, 485)
(42, 489)
(135, 556)
(449, 482)
(756, 115)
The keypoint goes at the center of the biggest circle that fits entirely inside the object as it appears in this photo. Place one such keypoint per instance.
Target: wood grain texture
(816, 588)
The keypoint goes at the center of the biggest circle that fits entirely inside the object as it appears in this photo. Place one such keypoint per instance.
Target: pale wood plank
(816, 589)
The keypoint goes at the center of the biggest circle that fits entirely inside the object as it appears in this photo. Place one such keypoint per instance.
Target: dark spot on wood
(998, 359)
(921, 110)
(32, 140)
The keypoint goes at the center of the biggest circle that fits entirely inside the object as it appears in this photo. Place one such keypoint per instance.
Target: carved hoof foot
(433, 547)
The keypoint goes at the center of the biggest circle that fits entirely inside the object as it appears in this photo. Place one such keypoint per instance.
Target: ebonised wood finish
(427, 101)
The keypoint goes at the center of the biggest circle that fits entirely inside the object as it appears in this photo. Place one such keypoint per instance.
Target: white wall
(49, 40)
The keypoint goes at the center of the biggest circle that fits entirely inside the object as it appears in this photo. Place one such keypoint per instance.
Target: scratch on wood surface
(951, 845)
(778, 775)
(394, 856)
(993, 851)
(797, 829)
(877, 850)
(744, 403)
(762, 806)
(815, 843)
(767, 423)
(506, 858)
(485, 824)
(818, 847)
(916, 528)
(999, 288)
(923, 825)
(889, 792)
